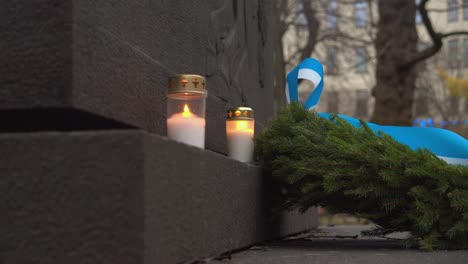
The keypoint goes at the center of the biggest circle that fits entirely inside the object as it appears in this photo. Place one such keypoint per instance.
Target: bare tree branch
(454, 33)
(339, 35)
(435, 37)
(313, 26)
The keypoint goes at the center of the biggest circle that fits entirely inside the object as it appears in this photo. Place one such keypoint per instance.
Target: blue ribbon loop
(447, 145)
(309, 69)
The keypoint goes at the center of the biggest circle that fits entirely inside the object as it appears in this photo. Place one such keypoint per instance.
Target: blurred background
(392, 62)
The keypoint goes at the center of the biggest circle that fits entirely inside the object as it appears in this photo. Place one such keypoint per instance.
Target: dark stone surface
(334, 245)
(128, 197)
(71, 198)
(112, 58)
(35, 65)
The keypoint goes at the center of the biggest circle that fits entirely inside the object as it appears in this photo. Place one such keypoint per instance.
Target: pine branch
(330, 163)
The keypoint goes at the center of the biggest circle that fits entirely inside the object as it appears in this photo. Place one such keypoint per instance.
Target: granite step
(342, 244)
(128, 196)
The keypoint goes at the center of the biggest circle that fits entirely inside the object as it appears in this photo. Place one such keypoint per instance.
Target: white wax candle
(239, 137)
(187, 128)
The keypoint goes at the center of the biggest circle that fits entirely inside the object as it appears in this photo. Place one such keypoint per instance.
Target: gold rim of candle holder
(187, 84)
(240, 113)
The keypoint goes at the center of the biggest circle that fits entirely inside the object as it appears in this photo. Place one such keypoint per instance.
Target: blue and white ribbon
(447, 145)
(309, 69)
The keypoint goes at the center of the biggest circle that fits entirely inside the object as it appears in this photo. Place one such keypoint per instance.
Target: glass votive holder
(186, 109)
(240, 133)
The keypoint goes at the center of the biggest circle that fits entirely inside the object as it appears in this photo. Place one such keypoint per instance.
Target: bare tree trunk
(396, 42)
(279, 95)
(280, 79)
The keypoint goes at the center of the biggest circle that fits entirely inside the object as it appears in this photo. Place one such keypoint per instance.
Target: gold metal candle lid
(240, 113)
(187, 83)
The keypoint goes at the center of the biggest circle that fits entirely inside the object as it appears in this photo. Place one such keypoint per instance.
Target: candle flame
(186, 112)
(241, 125)
(244, 125)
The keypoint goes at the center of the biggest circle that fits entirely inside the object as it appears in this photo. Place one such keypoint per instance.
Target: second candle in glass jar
(240, 133)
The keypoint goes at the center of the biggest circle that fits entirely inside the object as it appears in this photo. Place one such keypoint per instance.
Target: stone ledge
(113, 59)
(343, 244)
(128, 197)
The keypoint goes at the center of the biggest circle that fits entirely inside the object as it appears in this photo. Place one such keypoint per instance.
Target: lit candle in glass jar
(240, 133)
(186, 109)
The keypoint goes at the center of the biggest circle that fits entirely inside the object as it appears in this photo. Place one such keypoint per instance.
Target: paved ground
(342, 244)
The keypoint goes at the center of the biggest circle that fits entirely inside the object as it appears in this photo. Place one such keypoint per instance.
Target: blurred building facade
(345, 47)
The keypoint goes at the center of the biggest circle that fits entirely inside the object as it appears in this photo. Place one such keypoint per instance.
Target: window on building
(332, 14)
(452, 54)
(418, 15)
(362, 98)
(360, 59)
(452, 10)
(301, 20)
(332, 101)
(465, 9)
(332, 60)
(360, 13)
(465, 51)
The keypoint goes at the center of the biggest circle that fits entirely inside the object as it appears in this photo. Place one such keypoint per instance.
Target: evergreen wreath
(330, 163)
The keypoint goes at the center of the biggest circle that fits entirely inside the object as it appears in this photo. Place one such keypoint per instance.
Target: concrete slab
(338, 245)
(127, 196)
